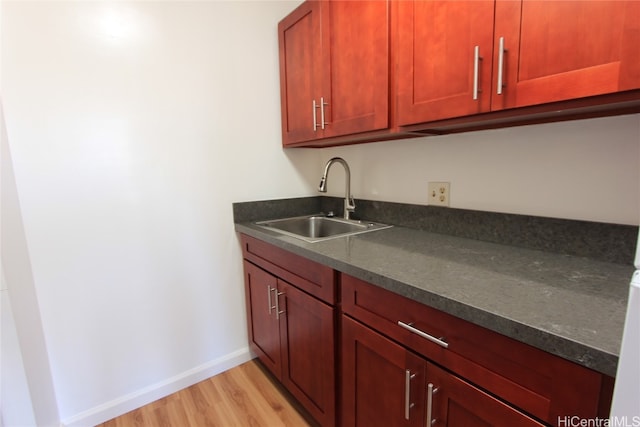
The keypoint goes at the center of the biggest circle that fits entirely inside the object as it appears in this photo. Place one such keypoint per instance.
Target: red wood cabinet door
(560, 50)
(383, 384)
(356, 89)
(300, 44)
(456, 403)
(264, 335)
(436, 59)
(307, 334)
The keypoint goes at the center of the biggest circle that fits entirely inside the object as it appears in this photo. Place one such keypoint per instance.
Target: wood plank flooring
(243, 396)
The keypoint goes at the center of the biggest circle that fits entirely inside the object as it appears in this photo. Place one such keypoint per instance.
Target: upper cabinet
(442, 50)
(555, 51)
(300, 40)
(459, 59)
(334, 70)
(360, 71)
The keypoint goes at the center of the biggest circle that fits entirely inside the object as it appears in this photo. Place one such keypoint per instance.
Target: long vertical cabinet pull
(277, 307)
(476, 64)
(315, 106)
(322, 121)
(269, 289)
(315, 119)
(501, 51)
(430, 392)
(408, 376)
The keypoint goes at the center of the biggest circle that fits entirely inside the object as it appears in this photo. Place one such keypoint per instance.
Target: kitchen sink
(315, 228)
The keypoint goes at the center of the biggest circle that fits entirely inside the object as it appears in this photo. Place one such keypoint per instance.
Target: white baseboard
(129, 402)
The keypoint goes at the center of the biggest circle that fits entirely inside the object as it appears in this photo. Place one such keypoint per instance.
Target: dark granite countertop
(567, 305)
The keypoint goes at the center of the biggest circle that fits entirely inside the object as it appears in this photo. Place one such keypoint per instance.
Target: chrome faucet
(349, 204)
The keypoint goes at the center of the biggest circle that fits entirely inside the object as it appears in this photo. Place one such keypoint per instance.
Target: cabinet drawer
(539, 383)
(313, 278)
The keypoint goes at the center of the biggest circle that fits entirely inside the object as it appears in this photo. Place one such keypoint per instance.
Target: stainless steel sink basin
(314, 228)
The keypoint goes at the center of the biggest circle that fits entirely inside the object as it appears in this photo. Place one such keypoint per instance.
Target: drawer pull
(440, 341)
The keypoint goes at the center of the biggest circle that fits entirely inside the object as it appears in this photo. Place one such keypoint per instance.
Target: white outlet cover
(439, 193)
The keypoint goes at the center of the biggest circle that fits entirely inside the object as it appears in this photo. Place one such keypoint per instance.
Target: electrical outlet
(439, 193)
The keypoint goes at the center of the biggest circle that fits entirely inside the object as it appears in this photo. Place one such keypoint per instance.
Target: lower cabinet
(384, 384)
(401, 363)
(454, 402)
(293, 335)
(405, 364)
(263, 322)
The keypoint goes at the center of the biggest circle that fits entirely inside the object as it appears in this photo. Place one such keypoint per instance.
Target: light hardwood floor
(243, 396)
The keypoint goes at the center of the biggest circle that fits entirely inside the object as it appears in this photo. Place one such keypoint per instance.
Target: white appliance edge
(625, 407)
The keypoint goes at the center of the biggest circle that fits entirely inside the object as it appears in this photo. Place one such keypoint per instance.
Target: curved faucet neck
(349, 204)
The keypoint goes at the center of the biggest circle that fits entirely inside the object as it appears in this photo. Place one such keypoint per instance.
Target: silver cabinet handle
(269, 289)
(408, 376)
(440, 341)
(277, 307)
(501, 51)
(430, 392)
(322, 122)
(476, 63)
(315, 120)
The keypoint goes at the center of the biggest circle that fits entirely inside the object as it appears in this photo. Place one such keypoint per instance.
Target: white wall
(585, 169)
(16, 407)
(25, 381)
(134, 126)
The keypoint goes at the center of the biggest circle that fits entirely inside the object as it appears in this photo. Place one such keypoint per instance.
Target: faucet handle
(351, 205)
